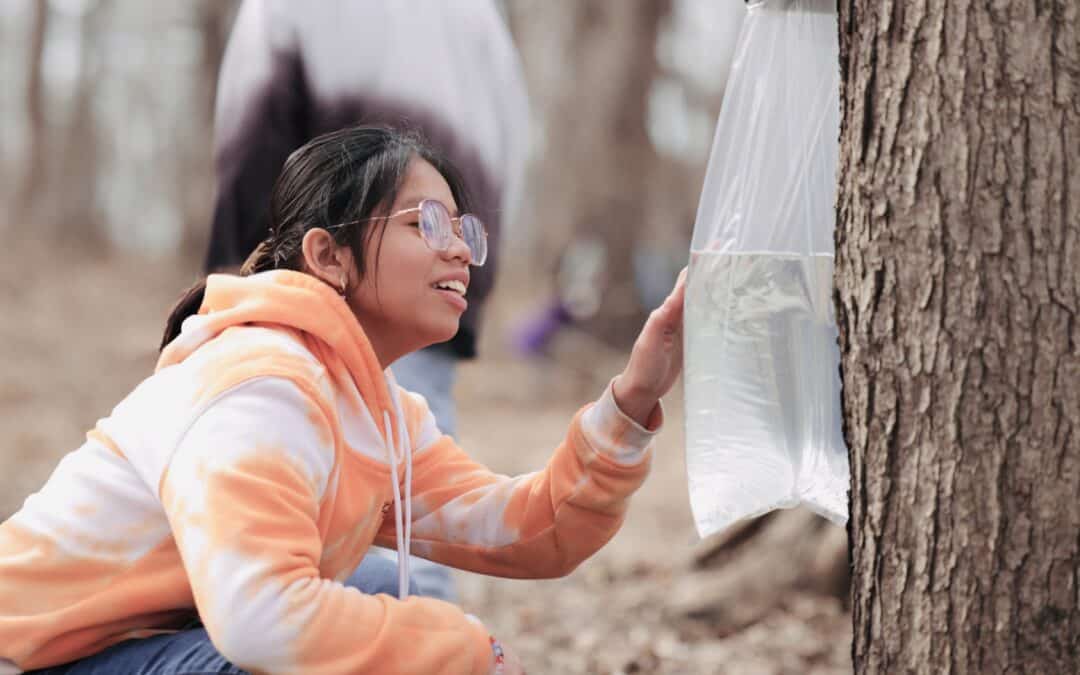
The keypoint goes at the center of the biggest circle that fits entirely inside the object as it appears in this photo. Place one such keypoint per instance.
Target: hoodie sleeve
(537, 525)
(242, 494)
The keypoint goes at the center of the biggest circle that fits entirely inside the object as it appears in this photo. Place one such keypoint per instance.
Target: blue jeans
(190, 652)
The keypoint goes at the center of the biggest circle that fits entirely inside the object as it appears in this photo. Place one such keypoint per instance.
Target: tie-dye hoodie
(250, 474)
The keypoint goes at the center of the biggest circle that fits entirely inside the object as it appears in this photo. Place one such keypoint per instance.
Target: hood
(291, 300)
(301, 302)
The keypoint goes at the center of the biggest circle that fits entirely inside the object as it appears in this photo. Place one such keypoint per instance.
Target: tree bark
(958, 245)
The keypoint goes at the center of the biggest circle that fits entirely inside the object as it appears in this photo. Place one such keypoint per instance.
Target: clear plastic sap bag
(762, 364)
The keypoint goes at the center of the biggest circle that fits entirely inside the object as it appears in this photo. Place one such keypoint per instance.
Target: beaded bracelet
(500, 659)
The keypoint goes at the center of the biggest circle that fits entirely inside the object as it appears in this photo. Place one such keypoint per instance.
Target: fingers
(665, 322)
(672, 310)
(680, 295)
(680, 288)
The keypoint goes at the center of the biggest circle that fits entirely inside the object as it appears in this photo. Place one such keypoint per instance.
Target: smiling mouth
(452, 285)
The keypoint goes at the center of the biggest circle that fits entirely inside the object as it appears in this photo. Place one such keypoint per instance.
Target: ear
(327, 260)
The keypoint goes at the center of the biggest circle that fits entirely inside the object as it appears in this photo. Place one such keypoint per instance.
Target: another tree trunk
(77, 215)
(195, 196)
(33, 181)
(598, 82)
(958, 249)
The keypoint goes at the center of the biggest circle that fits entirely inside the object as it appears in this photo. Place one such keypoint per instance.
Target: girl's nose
(458, 249)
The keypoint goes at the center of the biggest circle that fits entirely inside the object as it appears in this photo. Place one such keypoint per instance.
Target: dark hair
(340, 177)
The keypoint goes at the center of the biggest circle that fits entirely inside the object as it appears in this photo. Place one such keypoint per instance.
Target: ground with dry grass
(79, 331)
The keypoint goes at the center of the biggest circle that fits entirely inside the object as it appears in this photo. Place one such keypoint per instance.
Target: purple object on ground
(537, 331)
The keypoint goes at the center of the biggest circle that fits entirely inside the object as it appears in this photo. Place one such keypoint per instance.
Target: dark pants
(190, 652)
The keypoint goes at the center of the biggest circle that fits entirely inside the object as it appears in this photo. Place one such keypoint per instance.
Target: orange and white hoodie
(252, 471)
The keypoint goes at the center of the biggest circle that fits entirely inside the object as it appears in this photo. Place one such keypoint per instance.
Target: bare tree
(33, 178)
(958, 250)
(599, 72)
(73, 184)
(212, 19)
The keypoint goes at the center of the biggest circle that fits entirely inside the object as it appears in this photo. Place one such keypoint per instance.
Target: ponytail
(260, 260)
(188, 304)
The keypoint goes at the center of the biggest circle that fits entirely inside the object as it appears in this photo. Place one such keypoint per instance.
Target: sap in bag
(762, 363)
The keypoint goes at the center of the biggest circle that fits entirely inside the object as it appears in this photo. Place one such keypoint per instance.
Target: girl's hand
(656, 360)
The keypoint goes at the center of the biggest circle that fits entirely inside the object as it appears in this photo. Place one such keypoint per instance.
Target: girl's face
(407, 298)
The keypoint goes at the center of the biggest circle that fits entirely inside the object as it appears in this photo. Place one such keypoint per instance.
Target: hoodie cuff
(612, 432)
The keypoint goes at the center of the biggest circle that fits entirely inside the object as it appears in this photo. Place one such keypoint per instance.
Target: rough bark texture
(958, 248)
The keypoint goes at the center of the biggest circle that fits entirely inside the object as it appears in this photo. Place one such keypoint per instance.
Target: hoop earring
(344, 286)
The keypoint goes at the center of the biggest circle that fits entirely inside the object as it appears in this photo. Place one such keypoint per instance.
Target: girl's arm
(545, 524)
(537, 525)
(242, 494)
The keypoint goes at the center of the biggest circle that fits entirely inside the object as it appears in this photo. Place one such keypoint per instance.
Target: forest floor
(80, 331)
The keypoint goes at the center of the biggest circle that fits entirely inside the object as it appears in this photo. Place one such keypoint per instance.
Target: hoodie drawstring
(402, 521)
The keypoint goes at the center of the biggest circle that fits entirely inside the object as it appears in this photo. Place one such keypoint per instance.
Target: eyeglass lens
(437, 228)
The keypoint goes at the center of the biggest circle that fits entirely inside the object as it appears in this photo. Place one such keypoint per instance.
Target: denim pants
(190, 652)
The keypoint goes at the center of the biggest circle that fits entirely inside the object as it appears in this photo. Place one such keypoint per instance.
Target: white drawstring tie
(402, 521)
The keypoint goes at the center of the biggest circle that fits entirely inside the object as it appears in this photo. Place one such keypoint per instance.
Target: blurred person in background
(293, 71)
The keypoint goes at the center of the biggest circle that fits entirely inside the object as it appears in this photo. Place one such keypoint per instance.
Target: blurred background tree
(108, 147)
(108, 122)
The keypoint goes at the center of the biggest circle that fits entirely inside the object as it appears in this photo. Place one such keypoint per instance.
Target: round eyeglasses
(438, 229)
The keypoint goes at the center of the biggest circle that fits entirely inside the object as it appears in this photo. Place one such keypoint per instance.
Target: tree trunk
(958, 249)
(213, 19)
(597, 79)
(33, 180)
(77, 215)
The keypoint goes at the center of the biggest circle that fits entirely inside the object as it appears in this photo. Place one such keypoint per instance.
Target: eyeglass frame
(455, 226)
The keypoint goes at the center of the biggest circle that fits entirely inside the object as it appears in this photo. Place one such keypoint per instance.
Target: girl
(208, 523)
